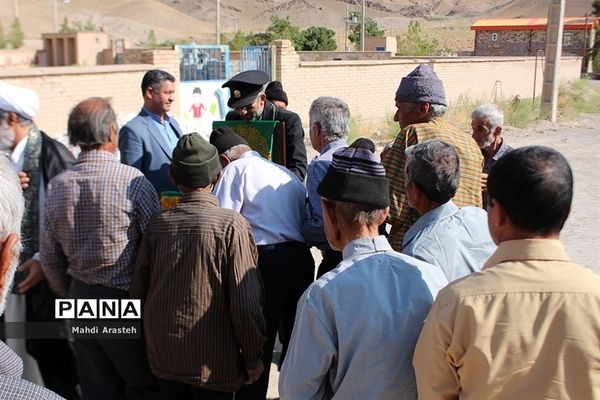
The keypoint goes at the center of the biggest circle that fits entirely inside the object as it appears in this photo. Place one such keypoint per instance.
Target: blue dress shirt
(312, 228)
(455, 239)
(165, 128)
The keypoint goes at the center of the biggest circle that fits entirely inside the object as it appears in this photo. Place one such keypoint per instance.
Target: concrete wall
(61, 88)
(369, 86)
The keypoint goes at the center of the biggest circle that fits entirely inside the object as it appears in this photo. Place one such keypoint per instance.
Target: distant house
(525, 36)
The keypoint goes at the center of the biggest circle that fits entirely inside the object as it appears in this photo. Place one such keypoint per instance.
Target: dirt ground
(579, 142)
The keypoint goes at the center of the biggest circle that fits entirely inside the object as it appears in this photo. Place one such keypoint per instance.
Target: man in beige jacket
(526, 326)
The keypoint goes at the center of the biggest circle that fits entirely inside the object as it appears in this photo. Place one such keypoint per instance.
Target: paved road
(579, 142)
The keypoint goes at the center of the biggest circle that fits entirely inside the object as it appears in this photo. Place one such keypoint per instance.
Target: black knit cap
(355, 176)
(195, 162)
(274, 91)
(224, 138)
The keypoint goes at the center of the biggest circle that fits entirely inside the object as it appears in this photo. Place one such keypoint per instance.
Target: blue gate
(203, 63)
(256, 57)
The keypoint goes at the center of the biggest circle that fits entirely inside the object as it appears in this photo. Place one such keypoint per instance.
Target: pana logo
(97, 309)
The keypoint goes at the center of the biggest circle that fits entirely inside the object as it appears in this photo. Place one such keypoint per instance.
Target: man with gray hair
(94, 219)
(12, 206)
(487, 122)
(329, 123)
(421, 104)
(455, 239)
(357, 325)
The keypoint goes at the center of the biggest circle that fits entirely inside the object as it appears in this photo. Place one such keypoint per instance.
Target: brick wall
(61, 88)
(369, 86)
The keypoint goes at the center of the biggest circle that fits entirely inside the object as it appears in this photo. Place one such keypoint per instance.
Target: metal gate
(256, 57)
(203, 62)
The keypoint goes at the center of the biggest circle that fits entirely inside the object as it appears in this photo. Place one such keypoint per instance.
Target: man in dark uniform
(250, 103)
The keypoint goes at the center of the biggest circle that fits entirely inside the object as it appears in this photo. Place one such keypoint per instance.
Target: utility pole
(55, 16)
(16, 8)
(218, 22)
(554, 34)
(362, 26)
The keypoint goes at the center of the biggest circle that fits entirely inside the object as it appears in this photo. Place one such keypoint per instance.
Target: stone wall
(523, 43)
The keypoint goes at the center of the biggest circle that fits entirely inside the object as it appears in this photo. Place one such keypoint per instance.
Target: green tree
(415, 43)
(2, 38)
(318, 38)
(258, 39)
(16, 37)
(282, 28)
(90, 26)
(151, 40)
(596, 7)
(371, 29)
(238, 41)
(66, 27)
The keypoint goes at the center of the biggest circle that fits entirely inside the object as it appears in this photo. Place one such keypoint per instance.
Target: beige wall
(369, 86)
(61, 88)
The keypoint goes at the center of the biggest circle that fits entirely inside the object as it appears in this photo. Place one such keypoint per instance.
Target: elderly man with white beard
(12, 206)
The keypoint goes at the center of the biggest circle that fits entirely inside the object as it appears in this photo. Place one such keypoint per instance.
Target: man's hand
(254, 373)
(35, 275)
(24, 180)
(483, 182)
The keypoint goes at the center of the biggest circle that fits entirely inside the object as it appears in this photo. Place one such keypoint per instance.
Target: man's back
(268, 195)
(364, 318)
(456, 240)
(471, 161)
(97, 211)
(201, 292)
(526, 327)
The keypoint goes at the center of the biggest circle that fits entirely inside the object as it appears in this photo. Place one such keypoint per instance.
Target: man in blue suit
(147, 141)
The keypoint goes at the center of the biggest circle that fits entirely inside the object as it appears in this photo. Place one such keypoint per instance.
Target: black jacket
(295, 151)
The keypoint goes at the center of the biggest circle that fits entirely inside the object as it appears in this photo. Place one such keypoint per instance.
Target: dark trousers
(111, 368)
(171, 390)
(331, 259)
(287, 269)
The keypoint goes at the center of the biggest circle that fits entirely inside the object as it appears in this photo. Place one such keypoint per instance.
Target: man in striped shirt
(95, 215)
(421, 103)
(201, 291)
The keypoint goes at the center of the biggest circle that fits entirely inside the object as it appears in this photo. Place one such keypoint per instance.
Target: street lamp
(55, 4)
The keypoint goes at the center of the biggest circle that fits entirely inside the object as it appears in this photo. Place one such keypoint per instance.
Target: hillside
(449, 20)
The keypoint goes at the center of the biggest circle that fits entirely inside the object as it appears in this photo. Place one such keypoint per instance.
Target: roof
(535, 24)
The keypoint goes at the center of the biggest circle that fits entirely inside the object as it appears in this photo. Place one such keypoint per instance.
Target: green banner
(258, 134)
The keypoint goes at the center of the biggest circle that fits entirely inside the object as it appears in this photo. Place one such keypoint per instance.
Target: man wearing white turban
(37, 158)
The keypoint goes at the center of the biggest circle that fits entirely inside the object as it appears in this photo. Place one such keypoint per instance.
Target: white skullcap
(24, 102)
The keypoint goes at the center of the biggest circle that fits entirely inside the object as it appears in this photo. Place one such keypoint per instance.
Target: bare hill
(180, 19)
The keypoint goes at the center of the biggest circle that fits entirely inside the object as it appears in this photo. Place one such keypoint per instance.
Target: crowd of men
(471, 295)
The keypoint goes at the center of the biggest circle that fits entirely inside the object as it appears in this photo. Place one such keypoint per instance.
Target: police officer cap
(244, 87)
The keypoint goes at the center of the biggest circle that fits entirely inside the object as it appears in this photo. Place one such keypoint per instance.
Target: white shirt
(269, 196)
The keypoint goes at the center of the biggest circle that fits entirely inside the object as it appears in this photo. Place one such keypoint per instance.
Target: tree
(151, 39)
(371, 29)
(282, 28)
(596, 7)
(66, 27)
(258, 39)
(16, 37)
(415, 43)
(2, 39)
(318, 38)
(238, 41)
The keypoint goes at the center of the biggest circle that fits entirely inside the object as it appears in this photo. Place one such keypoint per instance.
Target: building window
(567, 39)
(494, 36)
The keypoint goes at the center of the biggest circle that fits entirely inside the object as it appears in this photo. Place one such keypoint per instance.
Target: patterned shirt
(202, 294)
(94, 218)
(471, 162)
